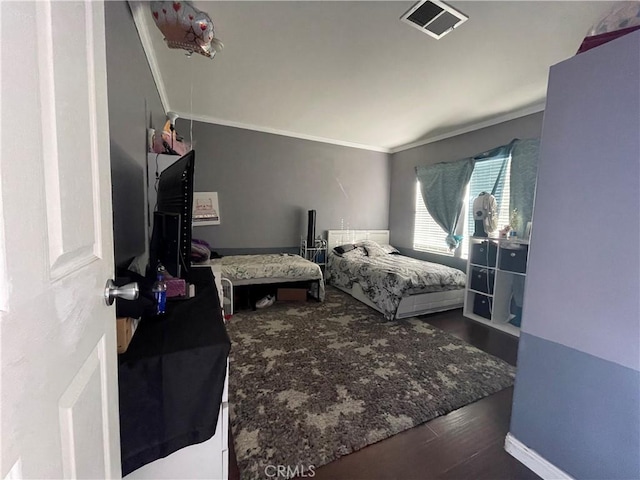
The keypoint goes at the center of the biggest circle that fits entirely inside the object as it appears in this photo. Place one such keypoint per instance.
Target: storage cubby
(496, 273)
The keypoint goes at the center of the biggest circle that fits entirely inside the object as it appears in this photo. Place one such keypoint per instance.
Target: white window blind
(428, 236)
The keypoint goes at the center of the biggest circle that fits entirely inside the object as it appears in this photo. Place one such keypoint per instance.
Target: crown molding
(140, 12)
(275, 131)
(538, 107)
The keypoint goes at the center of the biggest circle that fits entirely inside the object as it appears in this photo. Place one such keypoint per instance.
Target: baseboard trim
(533, 460)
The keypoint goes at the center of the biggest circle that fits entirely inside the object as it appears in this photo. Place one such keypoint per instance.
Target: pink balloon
(186, 27)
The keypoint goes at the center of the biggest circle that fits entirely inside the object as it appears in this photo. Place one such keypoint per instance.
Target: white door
(59, 380)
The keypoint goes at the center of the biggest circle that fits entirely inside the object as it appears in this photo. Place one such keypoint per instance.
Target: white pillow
(373, 248)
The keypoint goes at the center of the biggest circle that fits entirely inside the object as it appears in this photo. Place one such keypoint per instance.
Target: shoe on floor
(266, 301)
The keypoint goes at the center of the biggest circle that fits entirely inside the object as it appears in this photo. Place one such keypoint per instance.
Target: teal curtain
(443, 186)
(524, 173)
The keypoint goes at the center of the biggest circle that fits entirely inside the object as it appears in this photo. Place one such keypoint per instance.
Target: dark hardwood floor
(464, 444)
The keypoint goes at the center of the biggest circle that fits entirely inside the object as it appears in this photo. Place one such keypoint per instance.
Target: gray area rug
(311, 382)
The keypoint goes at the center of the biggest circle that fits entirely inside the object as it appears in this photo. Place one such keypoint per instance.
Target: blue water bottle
(160, 291)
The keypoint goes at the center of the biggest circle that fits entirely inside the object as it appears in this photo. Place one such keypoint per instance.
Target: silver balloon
(186, 27)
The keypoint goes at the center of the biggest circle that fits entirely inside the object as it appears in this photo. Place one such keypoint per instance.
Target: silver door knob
(130, 291)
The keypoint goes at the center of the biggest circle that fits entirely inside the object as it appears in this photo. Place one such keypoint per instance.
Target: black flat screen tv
(171, 237)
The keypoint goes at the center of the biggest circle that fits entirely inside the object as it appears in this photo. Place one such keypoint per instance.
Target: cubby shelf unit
(495, 270)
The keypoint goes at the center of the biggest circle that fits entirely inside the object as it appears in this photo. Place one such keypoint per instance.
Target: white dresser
(206, 460)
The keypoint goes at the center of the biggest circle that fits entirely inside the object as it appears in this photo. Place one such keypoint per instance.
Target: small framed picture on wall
(206, 210)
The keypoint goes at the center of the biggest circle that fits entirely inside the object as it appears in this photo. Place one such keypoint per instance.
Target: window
(429, 237)
(483, 179)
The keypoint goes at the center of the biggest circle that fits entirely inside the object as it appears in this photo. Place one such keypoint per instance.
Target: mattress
(270, 268)
(386, 279)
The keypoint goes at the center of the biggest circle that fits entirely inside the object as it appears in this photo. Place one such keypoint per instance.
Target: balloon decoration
(622, 19)
(186, 27)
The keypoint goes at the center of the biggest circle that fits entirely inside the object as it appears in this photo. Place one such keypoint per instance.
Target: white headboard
(342, 237)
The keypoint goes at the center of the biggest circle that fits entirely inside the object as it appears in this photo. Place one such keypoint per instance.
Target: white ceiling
(352, 73)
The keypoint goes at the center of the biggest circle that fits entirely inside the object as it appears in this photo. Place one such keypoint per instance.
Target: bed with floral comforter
(386, 279)
(270, 268)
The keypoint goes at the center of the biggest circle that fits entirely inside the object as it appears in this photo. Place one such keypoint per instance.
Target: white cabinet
(206, 460)
(496, 273)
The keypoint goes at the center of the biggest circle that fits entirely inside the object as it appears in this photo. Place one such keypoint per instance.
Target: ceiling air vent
(434, 18)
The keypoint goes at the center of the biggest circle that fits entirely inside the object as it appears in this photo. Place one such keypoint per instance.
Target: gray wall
(134, 104)
(577, 391)
(577, 411)
(266, 183)
(403, 176)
